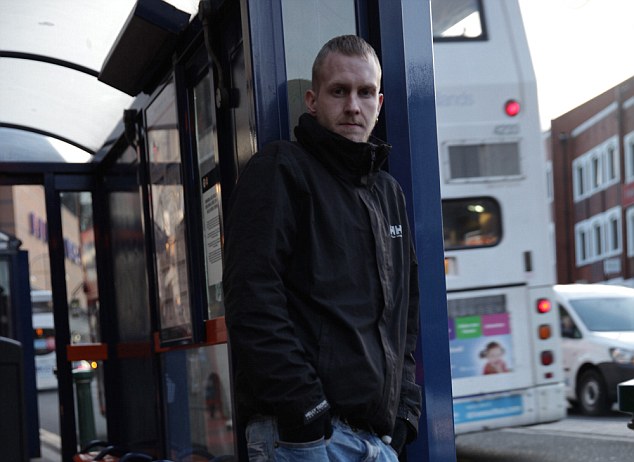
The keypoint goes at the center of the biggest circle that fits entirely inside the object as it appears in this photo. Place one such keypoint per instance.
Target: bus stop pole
(410, 113)
(85, 411)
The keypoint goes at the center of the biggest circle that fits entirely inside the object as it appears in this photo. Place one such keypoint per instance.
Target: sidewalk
(50, 445)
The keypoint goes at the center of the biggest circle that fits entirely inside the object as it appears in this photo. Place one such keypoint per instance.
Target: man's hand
(318, 428)
(400, 435)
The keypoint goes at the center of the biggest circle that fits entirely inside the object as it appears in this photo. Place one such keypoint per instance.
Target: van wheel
(592, 393)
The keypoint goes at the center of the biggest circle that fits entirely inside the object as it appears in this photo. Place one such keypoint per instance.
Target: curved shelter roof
(51, 53)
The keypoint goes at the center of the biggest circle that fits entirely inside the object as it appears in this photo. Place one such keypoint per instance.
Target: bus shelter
(170, 101)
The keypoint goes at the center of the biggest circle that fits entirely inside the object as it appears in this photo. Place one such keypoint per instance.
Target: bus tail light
(545, 331)
(547, 357)
(512, 108)
(544, 305)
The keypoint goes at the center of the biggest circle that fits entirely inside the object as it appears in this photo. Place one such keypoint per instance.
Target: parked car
(597, 330)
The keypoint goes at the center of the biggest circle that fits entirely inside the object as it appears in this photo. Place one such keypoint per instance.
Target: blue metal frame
(21, 316)
(266, 68)
(410, 121)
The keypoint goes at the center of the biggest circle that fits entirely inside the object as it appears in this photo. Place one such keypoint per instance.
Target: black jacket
(321, 284)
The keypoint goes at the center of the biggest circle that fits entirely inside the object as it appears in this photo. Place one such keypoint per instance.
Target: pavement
(50, 447)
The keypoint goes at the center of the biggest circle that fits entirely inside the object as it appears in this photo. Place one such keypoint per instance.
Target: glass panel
(207, 150)
(198, 402)
(471, 222)
(303, 40)
(129, 267)
(64, 29)
(81, 267)
(457, 19)
(484, 160)
(134, 377)
(168, 214)
(23, 146)
(91, 109)
(5, 299)
(609, 314)
(83, 304)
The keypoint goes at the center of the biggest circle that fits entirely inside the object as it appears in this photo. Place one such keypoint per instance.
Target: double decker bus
(499, 261)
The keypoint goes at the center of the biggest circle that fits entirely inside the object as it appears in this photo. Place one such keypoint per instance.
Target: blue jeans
(345, 444)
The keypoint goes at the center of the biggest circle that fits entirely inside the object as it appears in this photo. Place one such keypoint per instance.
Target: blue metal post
(410, 120)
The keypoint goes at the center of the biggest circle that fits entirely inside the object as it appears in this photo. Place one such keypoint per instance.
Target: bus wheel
(592, 393)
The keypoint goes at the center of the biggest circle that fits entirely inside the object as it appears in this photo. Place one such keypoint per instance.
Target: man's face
(346, 98)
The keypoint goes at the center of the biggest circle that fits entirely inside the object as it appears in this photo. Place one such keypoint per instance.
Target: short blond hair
(348, 45)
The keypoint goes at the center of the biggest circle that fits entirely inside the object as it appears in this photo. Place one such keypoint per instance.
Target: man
(321, 280)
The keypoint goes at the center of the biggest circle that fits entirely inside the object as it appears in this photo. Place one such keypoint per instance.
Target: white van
(597, 339)
(44, 339)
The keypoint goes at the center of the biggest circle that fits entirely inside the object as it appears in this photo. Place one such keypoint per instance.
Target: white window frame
(628, 142)
(582, 252)
(596, 171)
(579, 171)
(611, 156)
(613, 216)
(597, 232)
(593, 169)
(629, 224)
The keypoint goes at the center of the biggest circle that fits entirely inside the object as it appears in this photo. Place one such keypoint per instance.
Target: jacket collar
(356, 162)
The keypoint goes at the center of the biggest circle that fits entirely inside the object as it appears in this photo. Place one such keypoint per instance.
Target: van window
(611, 314)
(568, 327)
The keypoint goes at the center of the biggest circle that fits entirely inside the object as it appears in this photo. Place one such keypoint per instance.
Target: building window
(579, 178)
(613, 237)
(599, 237)
(596, 171)
(599, 168)
(629, 220)
(581, 243)
(597, 234)
(610, 154)
(611, 162)
(628, 142)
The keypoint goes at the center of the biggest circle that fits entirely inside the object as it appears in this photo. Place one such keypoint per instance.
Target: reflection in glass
(303, 40)
(457, 19)
(5, 299)
(129, 267)
(81, 267)
(197, 391)
(471, 222)
(168, 214)
(608, 314)
(207, 150)
(83, 294)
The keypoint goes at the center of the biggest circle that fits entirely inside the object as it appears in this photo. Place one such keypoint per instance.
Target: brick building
(592, 154)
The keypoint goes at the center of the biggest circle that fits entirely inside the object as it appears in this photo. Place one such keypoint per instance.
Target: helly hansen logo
(396, 231)
(314, 412)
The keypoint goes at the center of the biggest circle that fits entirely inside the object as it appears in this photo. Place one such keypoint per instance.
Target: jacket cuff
(412, 423)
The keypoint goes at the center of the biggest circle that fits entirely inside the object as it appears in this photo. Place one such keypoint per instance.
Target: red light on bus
(547, 357)
(512, 108)
(544, 305)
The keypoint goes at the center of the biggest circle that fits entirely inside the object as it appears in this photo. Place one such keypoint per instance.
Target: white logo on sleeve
(396, 231)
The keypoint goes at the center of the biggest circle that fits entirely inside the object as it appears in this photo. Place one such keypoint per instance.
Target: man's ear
(378, 109)
(310, 99)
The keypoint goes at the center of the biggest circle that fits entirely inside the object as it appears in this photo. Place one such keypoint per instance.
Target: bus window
(457, 20)
(472, 222)
(484, 160)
